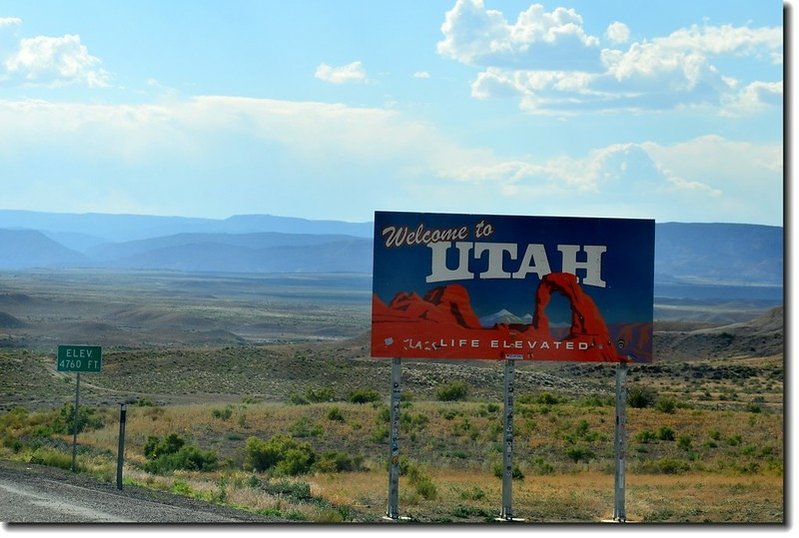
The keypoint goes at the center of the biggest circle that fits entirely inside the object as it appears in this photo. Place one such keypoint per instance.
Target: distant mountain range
(691, 259)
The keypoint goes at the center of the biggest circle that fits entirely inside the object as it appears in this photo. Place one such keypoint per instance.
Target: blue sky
(335, 109)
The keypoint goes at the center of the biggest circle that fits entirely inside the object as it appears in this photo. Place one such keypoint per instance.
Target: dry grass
(464, 496)
(730, 471)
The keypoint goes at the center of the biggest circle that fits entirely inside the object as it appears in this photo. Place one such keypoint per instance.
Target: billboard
(461, 286)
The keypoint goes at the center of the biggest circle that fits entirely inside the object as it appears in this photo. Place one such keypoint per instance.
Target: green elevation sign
(79, 359)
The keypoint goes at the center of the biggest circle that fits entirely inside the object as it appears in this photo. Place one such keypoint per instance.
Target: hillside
(104, 228)
(31, 248)
(719, 254)
(266, 252)
(761, 336)
(693, 261)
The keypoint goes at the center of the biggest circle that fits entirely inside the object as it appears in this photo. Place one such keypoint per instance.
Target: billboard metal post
(75, 424)
(392, 511)
(506, 514)
(620, 444)
(121, 450)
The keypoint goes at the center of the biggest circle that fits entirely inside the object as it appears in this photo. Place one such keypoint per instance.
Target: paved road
(35, 494)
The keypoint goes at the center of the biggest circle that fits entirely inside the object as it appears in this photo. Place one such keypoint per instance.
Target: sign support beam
(392, 511)
(506, 514)
(620, 444)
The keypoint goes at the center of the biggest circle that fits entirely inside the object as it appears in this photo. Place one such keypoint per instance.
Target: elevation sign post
(393, 466)
(620, 444)
(75, 424)
(70, 358)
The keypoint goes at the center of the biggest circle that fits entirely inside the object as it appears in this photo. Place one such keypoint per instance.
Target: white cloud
(352, 72)
(694, 46)
(10, 21)
(723, 163)
(256, 155)
(202, 129)
(618, 33)
(249, 155)
(753, 97)
(547, 61)
(474, 35)
(421, 74)
(617, 170)
(724, 40)
(703, 179)
(54, 61)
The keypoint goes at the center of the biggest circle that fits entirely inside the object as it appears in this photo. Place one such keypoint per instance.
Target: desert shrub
(671, 466)
(582, 428)
(297, 460)
(448, 414)
(449, 392)
(645, 436)
(190, 458)
(420, 420)
(464, 427)
(364, 395)
(324, 394)
(223, 414)
(300, 491)
(11, 424)
(516, 472)
(51, 458)
(418, 478)
(684, 442)
(542, 467)
(338, 462)
(282, 454)
(156, 447)
(596, 400)
(335, 414)
(547, 398)
(639, 397)
(475, 493)
(383, 415)
(542, 398)
(297, 399)
(172, 453)
(303, 427)
(242, 420)
(426, 488)
(14, 418)
(665, 434)
(754, 407)
(577, 453)
(734, 440)
(63, 422)
(666, 405)
(260, 455)
(380, 434)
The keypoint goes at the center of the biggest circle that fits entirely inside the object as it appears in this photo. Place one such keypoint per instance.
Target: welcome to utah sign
(450, 286)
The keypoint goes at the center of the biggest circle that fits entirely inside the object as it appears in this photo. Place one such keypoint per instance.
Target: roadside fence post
(121, 451)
